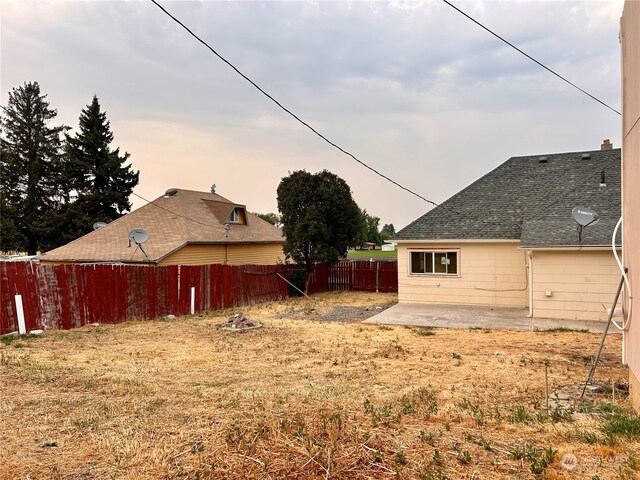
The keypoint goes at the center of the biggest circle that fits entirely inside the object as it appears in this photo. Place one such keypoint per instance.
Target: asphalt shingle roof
(531, 198)
(168, 229)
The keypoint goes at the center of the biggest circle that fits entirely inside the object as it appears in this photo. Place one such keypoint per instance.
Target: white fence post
(193, 300)
(22, 327)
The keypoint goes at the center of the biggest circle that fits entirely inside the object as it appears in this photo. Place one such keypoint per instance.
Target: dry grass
(302, 399)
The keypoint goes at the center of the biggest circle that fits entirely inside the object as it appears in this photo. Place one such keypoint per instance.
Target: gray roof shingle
(530, 198)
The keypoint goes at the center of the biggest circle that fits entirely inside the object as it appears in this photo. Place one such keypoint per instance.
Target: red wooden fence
(67, 296)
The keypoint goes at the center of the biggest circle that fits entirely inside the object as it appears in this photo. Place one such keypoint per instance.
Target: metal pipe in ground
(604, 336)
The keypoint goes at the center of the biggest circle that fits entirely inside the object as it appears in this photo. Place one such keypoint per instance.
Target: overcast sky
(413, 89)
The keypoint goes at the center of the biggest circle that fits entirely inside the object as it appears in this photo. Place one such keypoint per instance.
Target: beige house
(184, 227)
(630, 49)
(509, 239)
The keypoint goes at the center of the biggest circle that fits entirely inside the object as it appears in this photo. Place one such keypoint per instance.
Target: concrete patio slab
(462, 316)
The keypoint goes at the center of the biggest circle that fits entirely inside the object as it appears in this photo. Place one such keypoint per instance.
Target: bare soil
(312, 394)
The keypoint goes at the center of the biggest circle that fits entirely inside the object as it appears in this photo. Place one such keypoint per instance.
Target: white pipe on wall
(530, 267)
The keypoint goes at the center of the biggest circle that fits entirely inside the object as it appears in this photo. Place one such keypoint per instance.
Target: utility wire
(289, 111)
(95, 171)
(528, 56)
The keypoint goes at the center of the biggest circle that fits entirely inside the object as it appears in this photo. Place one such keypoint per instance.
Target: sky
(413, 89)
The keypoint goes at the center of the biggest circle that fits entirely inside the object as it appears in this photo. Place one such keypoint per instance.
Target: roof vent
(213, 188)
(543, 159)
(170, 192)
(586, 156)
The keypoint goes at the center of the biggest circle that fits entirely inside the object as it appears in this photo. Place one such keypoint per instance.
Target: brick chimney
(606, 144)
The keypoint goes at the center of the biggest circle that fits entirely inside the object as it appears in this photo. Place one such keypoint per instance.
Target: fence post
(22, 327)
(193, 300)
(377, 275)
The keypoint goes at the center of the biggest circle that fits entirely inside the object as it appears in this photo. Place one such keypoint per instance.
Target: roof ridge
(521, 188)
(564, 153)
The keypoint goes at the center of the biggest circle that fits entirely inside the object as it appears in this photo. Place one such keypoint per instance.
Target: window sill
(448, 275)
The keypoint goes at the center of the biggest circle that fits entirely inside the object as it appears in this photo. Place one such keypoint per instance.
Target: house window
(234, 217)
(434, 262)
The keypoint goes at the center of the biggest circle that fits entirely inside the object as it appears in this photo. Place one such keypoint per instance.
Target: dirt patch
(308, 399)
(339, 313)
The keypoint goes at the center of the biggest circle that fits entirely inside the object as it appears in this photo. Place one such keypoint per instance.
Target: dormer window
(238, 215)
(226, 212)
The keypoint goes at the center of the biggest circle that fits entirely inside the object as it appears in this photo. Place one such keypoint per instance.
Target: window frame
(234, 216)
(433, 251)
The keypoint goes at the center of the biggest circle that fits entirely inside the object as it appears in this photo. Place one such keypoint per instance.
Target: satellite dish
(585, 216)
(138, 235)
(98, 225)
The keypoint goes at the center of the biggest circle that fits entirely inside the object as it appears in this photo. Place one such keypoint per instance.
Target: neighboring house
(185, 228)
(509, 239)
(368, 246)
(630, 50)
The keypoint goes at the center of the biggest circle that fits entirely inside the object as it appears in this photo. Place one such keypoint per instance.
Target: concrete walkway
(461, 316)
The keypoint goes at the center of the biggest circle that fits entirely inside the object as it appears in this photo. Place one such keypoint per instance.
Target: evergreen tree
(31, 171)
(389, 229)
(98, 174)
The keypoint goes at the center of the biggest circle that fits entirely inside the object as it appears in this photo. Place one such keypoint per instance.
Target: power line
(529, 57)
(289, 111)
(113, 182)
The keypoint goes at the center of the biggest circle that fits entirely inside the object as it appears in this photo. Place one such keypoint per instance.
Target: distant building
(185, 227)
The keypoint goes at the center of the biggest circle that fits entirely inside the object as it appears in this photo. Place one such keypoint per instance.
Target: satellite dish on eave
(98, 225)
(138, 235)
(585, 216)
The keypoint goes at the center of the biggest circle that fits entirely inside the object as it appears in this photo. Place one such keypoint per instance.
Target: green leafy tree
(319, 216)
(272, 218)
(370, 225)
(97, 173)
(31, 171)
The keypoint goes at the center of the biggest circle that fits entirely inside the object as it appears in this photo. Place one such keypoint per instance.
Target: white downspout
(626, 315)
(530, 268)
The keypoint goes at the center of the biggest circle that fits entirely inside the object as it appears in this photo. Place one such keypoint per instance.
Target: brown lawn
(308, 398)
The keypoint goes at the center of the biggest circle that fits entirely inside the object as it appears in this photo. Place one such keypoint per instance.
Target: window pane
(417, 262)
(440, 262)
(453, 263)
(429, 262)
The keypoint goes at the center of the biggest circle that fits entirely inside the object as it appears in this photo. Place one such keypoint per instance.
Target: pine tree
(103, 184)
(31, 171)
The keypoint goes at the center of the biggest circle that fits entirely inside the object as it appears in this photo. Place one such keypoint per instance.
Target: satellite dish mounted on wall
(139, 236)
(98, 225)
(584, 217)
